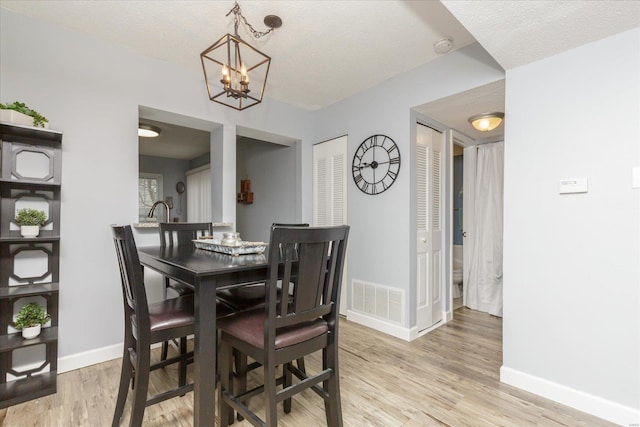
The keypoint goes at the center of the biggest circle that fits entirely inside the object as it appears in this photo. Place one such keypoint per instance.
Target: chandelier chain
(237, 12)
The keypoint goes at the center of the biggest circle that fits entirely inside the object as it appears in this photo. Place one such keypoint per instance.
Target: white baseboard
(87, 358)
(585, 402)
(380, 325)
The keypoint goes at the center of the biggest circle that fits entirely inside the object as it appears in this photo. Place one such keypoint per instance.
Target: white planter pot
(29, 230)
(17, 118)
(32, 332)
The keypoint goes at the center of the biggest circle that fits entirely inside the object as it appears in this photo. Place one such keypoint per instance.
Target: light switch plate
(636, 177)
(573, 185)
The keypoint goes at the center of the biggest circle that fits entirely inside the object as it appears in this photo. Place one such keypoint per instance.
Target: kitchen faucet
(166, 206)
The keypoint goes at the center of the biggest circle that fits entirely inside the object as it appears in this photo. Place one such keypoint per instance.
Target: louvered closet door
(330, 192)
(429, 226)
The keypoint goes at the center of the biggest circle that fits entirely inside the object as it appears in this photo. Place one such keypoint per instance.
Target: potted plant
(30, 319)
(20, 114)
(30, 221)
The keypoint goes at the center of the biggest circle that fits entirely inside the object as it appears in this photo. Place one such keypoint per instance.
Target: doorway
(457, 215)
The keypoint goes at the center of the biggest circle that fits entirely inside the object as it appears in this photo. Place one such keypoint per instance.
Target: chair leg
(165, 345)
(271, 411)
(226, 383)
(240, 360)
(125, 377)
(301, 365)
(143, 359)
(332, 405)
(165, 350)
(182, 367)
(286, 372)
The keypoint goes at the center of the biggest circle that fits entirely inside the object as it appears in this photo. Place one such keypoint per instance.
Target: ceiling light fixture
(148, 131)
(486, 122)
(230, 65)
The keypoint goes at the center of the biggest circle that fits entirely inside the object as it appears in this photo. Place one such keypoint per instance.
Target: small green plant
(20, 107)
(28, 216)
(31, 315)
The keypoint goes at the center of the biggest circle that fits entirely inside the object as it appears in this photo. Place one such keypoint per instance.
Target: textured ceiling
(454, 111)
(329, 50)
(325, 51)
(516, 33)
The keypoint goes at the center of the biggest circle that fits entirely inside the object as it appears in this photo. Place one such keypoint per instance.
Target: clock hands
(372, 165)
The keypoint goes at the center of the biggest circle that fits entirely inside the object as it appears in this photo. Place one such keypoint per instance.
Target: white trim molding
(585, 402)
(88, 358)
(388, 328)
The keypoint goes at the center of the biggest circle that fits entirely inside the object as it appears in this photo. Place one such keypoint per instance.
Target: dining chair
(146, 324)
(177, 234)
(278, 333)
(249, 297)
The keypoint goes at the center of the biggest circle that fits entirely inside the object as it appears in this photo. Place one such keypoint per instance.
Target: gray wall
(271, 169)
(172, 171)
(387, 220)
(92, 91)
(571, 262)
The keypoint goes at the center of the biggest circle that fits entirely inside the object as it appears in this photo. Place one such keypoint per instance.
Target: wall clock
(376, 164)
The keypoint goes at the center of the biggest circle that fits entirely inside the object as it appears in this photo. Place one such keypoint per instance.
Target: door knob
(464, 234)
(424, 240)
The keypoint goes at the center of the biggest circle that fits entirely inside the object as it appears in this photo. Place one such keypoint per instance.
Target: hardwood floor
(449, 377)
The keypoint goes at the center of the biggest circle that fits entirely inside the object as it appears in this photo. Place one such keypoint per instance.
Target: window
(149, 192)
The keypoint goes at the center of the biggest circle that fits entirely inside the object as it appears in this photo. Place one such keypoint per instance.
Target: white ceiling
(325, 50)
(329, 50)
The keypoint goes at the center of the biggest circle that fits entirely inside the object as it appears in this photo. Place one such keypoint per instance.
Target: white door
(430, 232)
(330, 192)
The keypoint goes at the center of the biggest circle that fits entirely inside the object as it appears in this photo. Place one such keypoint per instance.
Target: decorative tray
(243, 248)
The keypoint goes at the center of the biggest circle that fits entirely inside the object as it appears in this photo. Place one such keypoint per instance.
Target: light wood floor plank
(449, 377)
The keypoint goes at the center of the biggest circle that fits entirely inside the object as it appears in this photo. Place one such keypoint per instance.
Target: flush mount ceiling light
(231, 65)
(148, 131)
(486, 122)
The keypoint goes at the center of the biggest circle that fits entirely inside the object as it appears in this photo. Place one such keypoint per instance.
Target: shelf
(15, 341)
(15, 237)
(29, 134)
(30, 184)
(26, 389)
(20, 291)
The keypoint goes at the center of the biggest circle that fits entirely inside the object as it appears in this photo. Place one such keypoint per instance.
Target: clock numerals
(394, 161)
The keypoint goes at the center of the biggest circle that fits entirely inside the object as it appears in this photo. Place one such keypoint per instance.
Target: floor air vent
(378, 301)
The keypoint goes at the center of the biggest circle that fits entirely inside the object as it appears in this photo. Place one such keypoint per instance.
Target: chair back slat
(182, 233)
(316, 257)
(133, 291)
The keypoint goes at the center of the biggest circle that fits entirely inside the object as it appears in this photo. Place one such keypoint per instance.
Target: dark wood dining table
(207, 272)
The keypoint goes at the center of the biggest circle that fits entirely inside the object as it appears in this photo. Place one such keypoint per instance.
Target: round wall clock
(376, 164)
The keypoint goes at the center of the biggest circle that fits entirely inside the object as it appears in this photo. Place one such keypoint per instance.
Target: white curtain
(484, 288)
(199, 195)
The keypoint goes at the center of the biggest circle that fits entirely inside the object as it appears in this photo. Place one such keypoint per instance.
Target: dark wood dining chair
(177, 234)
(249, 297)
(146, 324)
(278, 334)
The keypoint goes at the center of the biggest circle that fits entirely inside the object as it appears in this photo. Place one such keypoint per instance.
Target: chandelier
(234, 71)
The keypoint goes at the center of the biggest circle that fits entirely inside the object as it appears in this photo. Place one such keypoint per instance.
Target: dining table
(207, 272)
